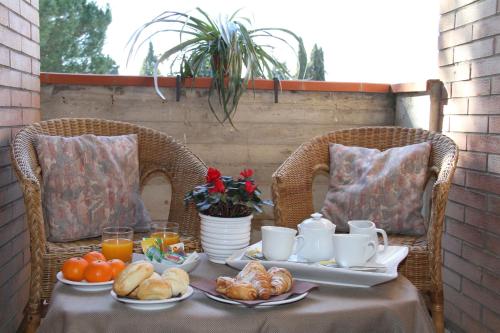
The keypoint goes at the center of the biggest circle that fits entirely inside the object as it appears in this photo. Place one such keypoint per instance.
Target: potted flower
(235, 53)
(225, 206)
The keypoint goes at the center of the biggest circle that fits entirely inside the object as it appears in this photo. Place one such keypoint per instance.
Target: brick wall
(19, 105)
(469, 59)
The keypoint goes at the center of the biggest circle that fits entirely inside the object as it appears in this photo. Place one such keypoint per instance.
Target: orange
(117, 266)
(74, 268)
(93, 256)
(98, 271)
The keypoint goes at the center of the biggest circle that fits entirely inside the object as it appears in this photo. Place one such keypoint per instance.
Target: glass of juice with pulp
(118, 243)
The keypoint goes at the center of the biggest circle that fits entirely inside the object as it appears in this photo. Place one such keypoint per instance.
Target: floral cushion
(384, 187)
(89, 182)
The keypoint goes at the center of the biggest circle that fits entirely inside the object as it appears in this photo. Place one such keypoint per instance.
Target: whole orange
(117, 266)
(74, 268)
(93, 256)
(98, 271)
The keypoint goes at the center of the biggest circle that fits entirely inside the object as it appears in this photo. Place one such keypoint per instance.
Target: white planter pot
(217, 233)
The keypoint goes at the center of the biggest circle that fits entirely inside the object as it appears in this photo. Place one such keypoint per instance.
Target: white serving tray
(315, 272)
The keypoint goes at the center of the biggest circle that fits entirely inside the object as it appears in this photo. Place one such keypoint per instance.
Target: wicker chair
(159, 154)
(293, 199)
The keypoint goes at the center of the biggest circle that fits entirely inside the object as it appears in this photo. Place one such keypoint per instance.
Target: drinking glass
(118, 243)
(167, 231)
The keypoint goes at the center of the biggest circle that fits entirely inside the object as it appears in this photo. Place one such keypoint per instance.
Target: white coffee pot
(315, 239)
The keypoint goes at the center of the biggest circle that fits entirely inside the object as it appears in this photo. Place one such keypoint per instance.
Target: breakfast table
(395, 306)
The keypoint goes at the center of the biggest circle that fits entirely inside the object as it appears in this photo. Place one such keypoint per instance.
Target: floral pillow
(90, 182)
(384, 187)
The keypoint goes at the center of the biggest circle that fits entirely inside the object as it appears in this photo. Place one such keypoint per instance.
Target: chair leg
(30, 324)
(437, 310)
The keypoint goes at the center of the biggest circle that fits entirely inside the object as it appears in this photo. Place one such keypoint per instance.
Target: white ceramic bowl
(223, 247)
(221, 251)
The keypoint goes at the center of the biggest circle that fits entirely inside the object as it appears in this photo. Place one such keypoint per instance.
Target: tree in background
(72, 35)
(148, 66)
(316, 66)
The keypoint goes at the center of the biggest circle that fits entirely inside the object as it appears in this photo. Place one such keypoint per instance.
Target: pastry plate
(152, 304)
(188, 266)
(293, 298)
(84, 285)
(318, 273)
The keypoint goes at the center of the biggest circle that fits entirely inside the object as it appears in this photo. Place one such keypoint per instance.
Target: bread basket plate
(84, 285)
(291, 299)
(188, 265)
(152, 304)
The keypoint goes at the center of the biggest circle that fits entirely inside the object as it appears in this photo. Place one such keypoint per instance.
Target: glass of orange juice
(118, 243)
(168, 232)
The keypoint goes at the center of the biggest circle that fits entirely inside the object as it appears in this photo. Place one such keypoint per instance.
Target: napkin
(299, 287)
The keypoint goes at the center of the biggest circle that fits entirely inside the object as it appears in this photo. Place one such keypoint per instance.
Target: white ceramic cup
(277, 242)
(368, 228)
(353, 249)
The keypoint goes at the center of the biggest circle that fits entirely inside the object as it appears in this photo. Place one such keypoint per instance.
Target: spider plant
(236, 53)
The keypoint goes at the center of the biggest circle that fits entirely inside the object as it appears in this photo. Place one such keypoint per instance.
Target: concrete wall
(266, 133)
(469, 59)
(19, 105)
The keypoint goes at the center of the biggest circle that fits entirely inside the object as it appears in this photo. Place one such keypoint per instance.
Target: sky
(385, 41)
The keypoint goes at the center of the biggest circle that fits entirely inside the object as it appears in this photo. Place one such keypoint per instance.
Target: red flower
(247, 173)
(218, 187)
(212, 175)
(249, 187)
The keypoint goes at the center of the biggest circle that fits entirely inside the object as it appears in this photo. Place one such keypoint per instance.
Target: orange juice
(167, 237)
(118, 248)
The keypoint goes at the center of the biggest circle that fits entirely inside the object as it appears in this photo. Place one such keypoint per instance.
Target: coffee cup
(366, 227)
(353, 249)
(277, 242)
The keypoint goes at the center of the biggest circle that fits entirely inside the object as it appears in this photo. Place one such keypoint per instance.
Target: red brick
(484, 143)
(494, 125)
(30, 82)
(451, 312)
(455, 72)
(497, 44)
(4, 137)
(495, 85)
(11, 117)
(11, 268)
(471, 325)
(468, 197)
(455, 106)
(20, 25)
(30, 13)
(449, 5)
(20, 62)
(494, 163)
(35, 33)
(491, 282)
(476, 87)
(455, 211)
(4, 56)
(10, 78)
(31, 116)
(10, 193)
(4, 16)
(11, 230)
(480, 258)
(475, 11)
(470, 160)
(483, 182)
(30, 48)
(465, 232)
(485, 67)
(455, 37)
(447, 22)
(12, 4)
(481, 219)
(469, 124)
(445, 57)
(486, 27)
(462, 302)
(452, 244)
(463, 267)
(10, 38)
(494, 204)
(491, 320)
(493, 243)
(18, 209)
(21, 98)
(481, 295)
(459, 138)
(5, 97)
(451, 278)
(4, 161)
(474, 50)
(459, 177)
(484, 105)
(35, 67)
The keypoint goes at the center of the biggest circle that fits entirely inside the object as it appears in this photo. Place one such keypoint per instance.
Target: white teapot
(315, 239)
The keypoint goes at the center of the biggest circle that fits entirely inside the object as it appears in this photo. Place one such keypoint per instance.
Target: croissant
(281, 280)
(223, 283)
(256, 274)
(241, 290)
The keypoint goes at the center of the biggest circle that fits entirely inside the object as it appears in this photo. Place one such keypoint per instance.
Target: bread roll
(178, 279)
(154, 288)
(133, 294)
(132, 276)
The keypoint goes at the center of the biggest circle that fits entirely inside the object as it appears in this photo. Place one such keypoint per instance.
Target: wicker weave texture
(158, 154)
(292, 194)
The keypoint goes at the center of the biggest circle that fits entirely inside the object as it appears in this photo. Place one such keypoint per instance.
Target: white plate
(84, 285)
(315, 272)
(262, 305)
(152, 304)
(161, 266)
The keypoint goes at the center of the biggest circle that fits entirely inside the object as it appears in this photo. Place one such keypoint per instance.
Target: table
(391, 307)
